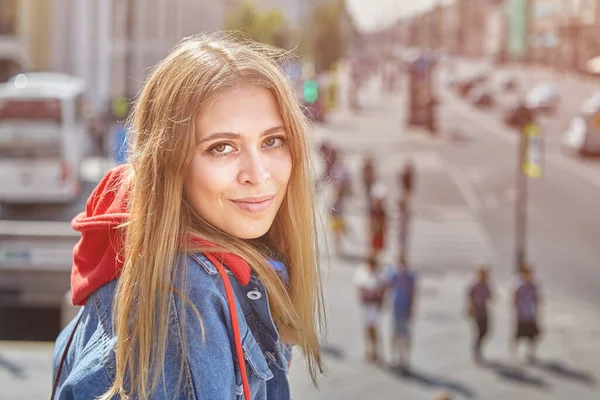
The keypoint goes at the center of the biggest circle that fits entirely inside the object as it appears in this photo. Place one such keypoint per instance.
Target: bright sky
(374, 14)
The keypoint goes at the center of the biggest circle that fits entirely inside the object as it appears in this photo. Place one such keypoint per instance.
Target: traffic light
(311, 91)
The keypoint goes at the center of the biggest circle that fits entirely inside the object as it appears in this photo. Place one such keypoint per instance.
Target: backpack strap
(234, 322)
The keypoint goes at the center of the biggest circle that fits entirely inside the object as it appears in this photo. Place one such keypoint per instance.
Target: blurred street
(464, 212)
(464, 215)
(496, 104)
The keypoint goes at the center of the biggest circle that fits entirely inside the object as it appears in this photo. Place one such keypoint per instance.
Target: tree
(327, 33)
(265, 26)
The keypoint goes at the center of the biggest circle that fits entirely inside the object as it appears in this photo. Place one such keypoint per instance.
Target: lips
(254, 205)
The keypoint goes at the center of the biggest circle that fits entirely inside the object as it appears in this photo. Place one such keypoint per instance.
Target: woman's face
(242, 163)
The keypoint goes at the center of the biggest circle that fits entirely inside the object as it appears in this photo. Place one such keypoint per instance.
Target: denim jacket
(210, 370)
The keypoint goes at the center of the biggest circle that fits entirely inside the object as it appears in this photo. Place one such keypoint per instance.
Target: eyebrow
(233, 135)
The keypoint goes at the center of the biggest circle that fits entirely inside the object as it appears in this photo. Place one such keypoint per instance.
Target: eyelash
(215, 153)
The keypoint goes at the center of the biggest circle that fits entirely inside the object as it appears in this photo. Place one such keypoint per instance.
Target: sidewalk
(568, 353)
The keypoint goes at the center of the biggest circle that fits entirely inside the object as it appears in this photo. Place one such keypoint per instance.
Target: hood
(98, 256)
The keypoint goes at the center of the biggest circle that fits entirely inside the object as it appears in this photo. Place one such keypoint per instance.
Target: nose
(253, 170)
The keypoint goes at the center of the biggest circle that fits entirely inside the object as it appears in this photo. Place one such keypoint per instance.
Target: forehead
(243, 109)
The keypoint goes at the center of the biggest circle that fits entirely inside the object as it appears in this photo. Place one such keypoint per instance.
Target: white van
(43, 138)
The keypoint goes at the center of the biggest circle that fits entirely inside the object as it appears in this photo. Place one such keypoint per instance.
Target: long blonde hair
(162, 124)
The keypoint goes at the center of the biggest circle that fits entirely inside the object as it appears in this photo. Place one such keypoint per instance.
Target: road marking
(465, 188)
(558, 159)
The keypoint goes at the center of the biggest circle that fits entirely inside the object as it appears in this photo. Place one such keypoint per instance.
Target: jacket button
(254, 295)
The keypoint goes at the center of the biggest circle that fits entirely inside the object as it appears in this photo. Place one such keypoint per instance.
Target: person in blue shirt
(479, 295)
(403, 291)
(527, 301)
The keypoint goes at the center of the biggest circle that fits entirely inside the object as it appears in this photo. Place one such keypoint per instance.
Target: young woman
(198, 264)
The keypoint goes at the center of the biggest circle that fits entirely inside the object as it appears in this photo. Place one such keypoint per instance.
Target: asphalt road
(564, 217)
(463, 207)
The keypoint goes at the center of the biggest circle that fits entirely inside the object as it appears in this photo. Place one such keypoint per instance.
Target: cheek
(282, 169)
(205, 183)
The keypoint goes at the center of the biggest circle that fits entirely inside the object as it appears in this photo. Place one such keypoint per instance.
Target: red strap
(234, 322)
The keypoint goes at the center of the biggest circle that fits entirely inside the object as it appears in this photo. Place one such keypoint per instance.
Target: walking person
(408, 179)
(342, 186)
(405, 218)
(527, 300)
(479, 295)
(368, 176)
(197, 269)
(370, 282)
(98, 133)
(404, 293)
(338, 221)
(377, 221)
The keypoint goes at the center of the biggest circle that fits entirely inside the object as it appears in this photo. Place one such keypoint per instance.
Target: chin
(249, 234)
(250, 231)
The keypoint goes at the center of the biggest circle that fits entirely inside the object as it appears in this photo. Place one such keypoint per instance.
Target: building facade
(113, 44)
(24, 36)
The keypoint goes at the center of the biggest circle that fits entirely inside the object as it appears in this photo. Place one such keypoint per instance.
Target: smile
(254, 205)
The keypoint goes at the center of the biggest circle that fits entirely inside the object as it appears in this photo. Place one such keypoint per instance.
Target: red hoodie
(98, 256)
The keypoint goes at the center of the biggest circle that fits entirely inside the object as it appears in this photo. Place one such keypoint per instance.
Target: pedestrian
(378, 221)
(405, 218)
(338, 222)
(404, 292)
(342, 187)
(368, 175)
(527, 302)
(98, 133)
(408, 179)
(478, 297)
(181, 246)
(370, 282)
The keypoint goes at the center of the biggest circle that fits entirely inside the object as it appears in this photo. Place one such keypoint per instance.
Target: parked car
(543, 98)
(591, 104)
(465, 85)
(481, 96)
(582, 137)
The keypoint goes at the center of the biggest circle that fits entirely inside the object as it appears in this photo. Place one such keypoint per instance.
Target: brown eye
(274, 142)
(220, 148)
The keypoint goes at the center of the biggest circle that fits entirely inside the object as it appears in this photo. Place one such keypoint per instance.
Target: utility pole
(529, 165)
(521, 199)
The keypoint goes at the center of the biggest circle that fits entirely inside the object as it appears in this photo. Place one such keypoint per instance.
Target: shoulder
(199, 317)
(88, 367)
